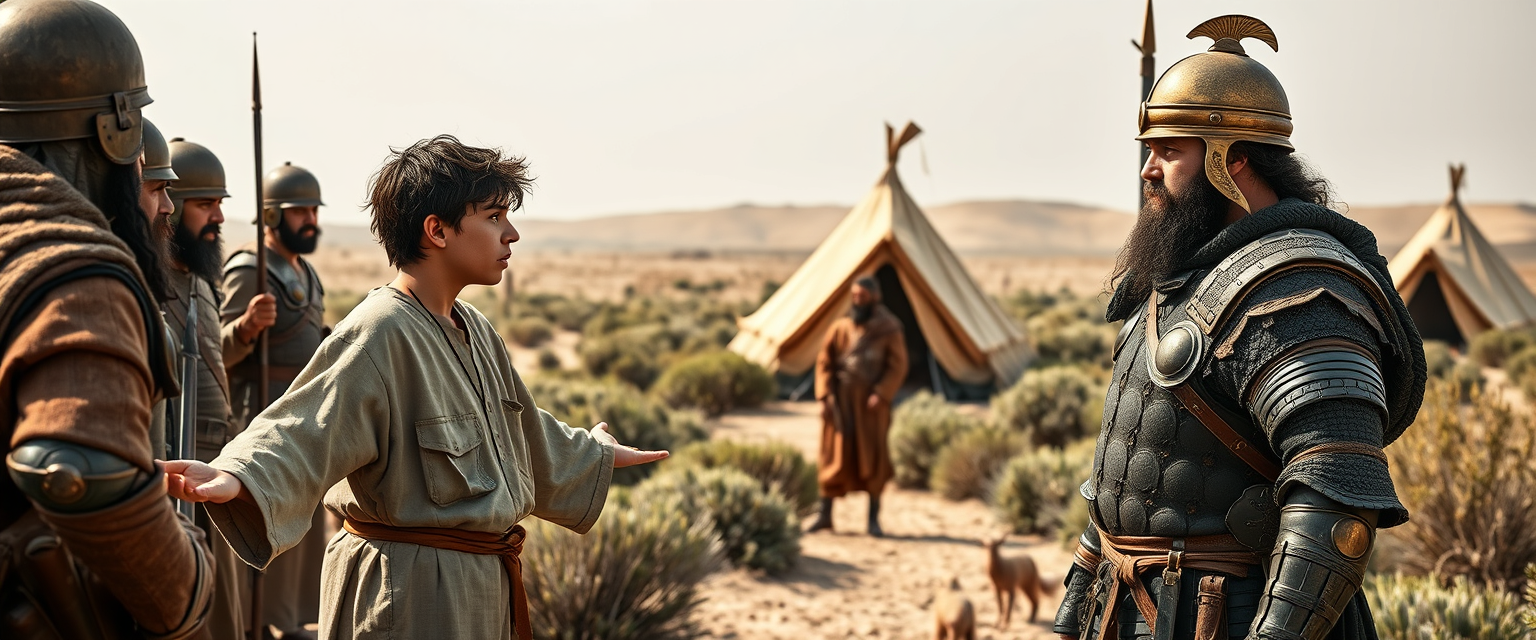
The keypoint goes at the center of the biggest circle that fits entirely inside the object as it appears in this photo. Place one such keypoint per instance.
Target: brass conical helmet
(157, 154)
(1221, 96)
(70, 69)
(290, 186)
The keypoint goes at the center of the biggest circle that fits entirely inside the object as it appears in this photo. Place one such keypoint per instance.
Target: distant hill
(978, 228)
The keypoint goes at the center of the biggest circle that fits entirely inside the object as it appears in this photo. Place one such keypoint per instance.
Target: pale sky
(626, 106)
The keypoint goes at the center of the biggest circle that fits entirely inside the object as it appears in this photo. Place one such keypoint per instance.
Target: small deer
(953, 616)
(1010, 575)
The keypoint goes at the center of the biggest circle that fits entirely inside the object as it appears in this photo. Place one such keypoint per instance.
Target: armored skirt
(404, 420)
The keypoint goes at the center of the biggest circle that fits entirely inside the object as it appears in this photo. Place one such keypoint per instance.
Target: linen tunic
(388, 426)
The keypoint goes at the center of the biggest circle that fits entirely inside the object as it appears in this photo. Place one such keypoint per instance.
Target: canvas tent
(964, 345)
(1455, 283)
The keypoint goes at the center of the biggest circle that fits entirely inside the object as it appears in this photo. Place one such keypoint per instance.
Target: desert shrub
(1466, 475)
(1530, 597)
(921, 426)
(757, 527)
(1438, 359)
(715, 382)
(1467, 375)
(1492, 347)
(1051, 406)
(632, 417)
(1060, 337)
(629, 354)
(1426, 608)
(548, 361)
(341, 302)
(1521, 365)
(634, 576)
(1034, 487)
(776, 465)
(529, 331)
(968, 467)
(1074, 520)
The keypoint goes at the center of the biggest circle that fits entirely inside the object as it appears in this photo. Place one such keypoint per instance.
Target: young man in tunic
(413, 425)
(858, 371)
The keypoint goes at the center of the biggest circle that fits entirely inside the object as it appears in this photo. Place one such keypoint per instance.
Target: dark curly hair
(1288, 175)
(440, 177)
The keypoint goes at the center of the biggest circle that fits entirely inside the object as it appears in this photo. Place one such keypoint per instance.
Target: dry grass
(1469, 480)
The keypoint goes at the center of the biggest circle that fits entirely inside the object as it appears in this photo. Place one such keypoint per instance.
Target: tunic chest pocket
(454, 460)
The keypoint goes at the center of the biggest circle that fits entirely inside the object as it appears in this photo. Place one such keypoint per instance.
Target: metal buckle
(121, 105)
(1175, 568)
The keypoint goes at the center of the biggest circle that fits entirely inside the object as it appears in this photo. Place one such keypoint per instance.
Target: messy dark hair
(440, 177)
(1288, 175)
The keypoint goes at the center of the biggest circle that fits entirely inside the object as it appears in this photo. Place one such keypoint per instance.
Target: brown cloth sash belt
(1132, 556)
(509, 546)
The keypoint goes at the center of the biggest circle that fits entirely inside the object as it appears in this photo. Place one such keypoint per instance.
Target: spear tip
(1148, 34)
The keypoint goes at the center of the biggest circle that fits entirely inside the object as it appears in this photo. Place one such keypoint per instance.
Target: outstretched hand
(195, 481)
(624, 455)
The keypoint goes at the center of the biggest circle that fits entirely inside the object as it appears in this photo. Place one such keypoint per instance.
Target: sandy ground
(849, 585)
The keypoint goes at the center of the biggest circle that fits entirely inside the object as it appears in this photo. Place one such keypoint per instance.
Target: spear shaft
(255, 630)
(1147, 47)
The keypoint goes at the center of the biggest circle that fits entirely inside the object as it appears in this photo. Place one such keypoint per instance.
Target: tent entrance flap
(1432, 313)
(919, 370)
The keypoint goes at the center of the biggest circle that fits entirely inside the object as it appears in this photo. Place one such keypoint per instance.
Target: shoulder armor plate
(240, 260)
(1226, 285)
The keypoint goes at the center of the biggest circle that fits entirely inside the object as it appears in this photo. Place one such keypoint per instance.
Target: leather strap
(1356, 448)
(1132, 556)
(508, 546)
(1213, 422)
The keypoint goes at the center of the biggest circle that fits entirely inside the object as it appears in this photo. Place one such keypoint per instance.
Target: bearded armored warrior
(197, 249)
(293, 316)
(1264, 363)
(90, 544)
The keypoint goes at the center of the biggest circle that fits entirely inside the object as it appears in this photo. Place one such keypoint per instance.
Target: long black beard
(862, 313)
(1168, 232)
(204, 258)
(120, 203)
(295, 241)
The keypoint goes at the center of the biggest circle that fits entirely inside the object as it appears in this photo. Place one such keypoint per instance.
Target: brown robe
(855, 361)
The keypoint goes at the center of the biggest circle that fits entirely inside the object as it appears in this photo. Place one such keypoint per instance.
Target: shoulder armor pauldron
(1221, 291)
(240, 260)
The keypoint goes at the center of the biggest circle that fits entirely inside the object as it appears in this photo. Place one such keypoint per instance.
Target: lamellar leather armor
(1179, 462)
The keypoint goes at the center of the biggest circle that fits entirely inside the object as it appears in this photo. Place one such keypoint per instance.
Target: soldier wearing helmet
(195, 255)
(295, 325)
(93, 547)
(1264, 362)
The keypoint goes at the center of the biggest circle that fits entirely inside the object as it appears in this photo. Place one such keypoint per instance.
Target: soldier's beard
(862, 312)
(202, 257)
(296, 241)
(1168, 232)
(119, 200)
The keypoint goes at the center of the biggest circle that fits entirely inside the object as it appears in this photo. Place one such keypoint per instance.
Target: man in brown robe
(860, 367)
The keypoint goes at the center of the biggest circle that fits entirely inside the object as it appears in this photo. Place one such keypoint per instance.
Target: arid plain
(846, 584)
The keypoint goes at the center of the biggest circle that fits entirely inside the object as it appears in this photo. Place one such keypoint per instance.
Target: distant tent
(1455, 283)
(965, 346)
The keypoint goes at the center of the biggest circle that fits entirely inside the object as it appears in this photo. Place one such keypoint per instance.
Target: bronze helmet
(201, 175)
(1221, 96)
(157, 154)
(288, 186)
(71, 70)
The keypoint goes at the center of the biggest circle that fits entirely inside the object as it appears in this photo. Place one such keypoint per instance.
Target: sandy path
(850, 585)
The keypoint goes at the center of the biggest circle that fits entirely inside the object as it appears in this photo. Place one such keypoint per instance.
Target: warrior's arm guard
(1079, 581)
(1317, 566)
